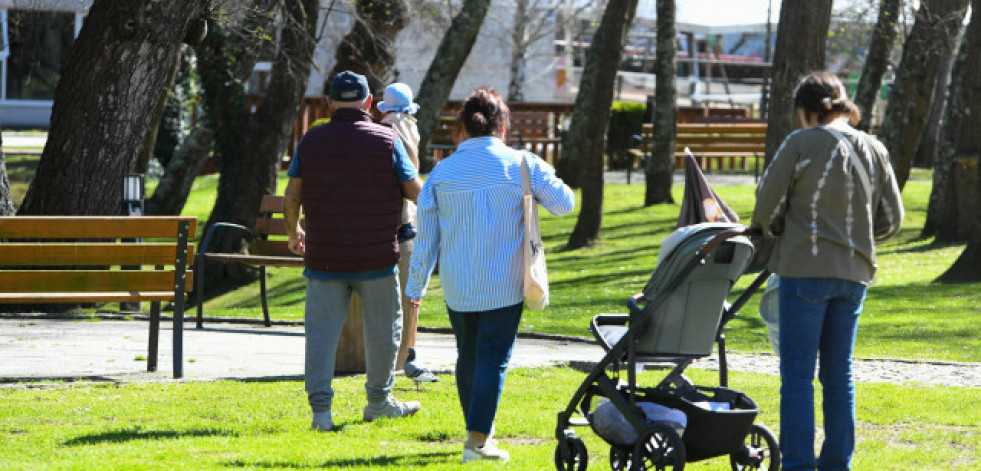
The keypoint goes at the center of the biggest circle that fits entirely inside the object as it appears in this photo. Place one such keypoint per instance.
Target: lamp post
(132, 206)
(133, 194)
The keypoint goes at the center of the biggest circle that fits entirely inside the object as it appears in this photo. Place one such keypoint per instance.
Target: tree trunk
(660, 168)
(926, 152)
(249, 172)
(519, 48)
(877, 60)
(453, 51)
(801, 39)
(369, 49)
(591, 114)
(182, 168)
(931, 41)
(959, 138)
(6, 201)
(118, 68)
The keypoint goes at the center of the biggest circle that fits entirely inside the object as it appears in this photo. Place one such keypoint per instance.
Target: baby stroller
(676, 320)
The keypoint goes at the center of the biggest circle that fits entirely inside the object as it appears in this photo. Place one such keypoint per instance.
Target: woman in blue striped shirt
(470, 216)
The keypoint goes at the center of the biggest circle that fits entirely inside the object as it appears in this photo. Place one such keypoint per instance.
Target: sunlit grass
(264, 424)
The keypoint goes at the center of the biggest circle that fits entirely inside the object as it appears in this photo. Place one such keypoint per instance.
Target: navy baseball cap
(348, 86)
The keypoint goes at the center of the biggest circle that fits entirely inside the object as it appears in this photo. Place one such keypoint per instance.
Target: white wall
(416, 46)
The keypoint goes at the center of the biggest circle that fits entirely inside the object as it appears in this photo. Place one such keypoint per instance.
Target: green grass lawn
(906, 314)
(264, 424)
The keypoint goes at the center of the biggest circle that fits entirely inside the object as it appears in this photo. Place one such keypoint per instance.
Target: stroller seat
(683, 311)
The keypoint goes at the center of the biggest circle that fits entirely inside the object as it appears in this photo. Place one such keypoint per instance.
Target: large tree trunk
(6, 201)
(118, 68)
(369, 49)
(877, 60)
(931, 41)
(249, 171)
(453, 51)
(801, 38)
(926, 152)
(959, 138)
(591, 115)
(182, 168)
(660, 168)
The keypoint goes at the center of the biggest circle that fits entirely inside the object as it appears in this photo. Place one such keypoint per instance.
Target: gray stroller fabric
(686, 322)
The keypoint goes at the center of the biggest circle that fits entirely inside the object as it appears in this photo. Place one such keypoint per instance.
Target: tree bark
(6, 201)
(251, 146)
(877, 59)
(453, 51)
(931, 41)
(959, 137)
(519, 49)
(801, 42)
(117, 69)
(660, 168)
(182, 168)
(926, 151)
(369, 49)
(591, 115)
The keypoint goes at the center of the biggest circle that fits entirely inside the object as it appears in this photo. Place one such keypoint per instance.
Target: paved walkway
(40, 349)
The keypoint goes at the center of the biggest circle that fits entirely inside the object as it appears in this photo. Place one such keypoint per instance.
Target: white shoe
(488, 452)
(322, 422)
(390, 408)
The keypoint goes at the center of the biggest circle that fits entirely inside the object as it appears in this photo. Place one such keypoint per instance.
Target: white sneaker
(390, 408)
(322, 422)
(488, 452)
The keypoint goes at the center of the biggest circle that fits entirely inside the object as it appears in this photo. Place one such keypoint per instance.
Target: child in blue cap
(398, 110)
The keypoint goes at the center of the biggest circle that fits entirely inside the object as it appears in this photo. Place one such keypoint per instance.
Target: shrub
(626, 120)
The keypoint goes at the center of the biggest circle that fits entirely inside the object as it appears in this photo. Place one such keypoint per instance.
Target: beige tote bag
(535, 273)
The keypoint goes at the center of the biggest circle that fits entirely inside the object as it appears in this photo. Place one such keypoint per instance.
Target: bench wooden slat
(257, 260)
(279, 248)
(89, 254)
(270, 226)
(727, 148)
(55, 281)
(92, 227)
(105, 296)
(271, 204)
(704, 139)
(725, 128)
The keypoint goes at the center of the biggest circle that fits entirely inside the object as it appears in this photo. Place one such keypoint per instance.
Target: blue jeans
(818, 315)
(325, 313)
(484, 341)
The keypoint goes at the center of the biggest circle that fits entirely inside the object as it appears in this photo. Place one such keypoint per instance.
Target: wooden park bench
(531, 130)
(88, 259)
(719, 145)
(264, 251)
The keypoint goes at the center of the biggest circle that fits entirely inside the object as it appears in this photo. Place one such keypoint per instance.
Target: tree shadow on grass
(139, 433)
(389, 461)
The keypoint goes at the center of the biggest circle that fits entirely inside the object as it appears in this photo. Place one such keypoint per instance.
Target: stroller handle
(633, 302)
(725, 235)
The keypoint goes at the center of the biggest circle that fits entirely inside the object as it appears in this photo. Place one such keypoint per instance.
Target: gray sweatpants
(326, 310)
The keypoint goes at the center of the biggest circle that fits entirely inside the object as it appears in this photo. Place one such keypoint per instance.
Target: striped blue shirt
(470, 216)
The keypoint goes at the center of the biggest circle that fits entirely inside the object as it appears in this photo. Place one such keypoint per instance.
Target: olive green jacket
(812, 198)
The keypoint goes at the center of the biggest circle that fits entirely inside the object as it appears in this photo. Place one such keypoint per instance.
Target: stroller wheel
(659, 448)
(577, 459)
(761, 451)
(619, 458)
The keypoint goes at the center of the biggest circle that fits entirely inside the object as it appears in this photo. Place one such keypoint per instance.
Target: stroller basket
(710, 433)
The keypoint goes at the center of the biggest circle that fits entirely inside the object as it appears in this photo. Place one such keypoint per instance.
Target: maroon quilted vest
(352, 199)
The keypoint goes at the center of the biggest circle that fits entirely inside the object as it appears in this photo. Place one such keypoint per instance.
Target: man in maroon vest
(349, 176)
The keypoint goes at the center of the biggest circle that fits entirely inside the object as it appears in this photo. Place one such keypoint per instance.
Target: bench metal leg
(199, 280)
(151, 361)
(180, 279)
(262, 290)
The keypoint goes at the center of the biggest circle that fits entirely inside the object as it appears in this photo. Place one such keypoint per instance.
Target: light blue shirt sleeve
(426, 247)
(404, 169)
(550, 191)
